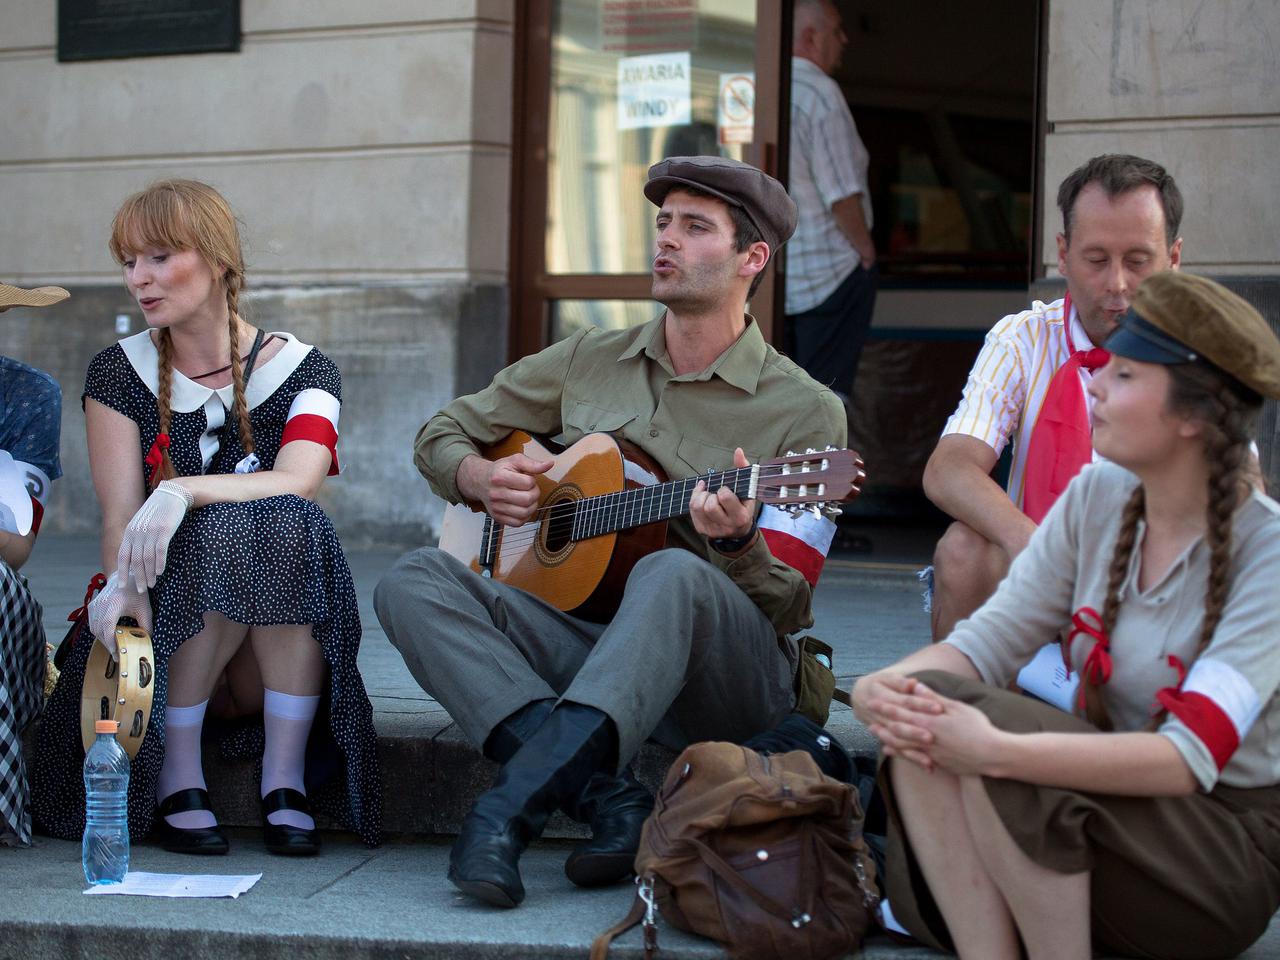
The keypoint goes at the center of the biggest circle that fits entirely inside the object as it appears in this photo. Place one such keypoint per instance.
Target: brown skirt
(1171, 877)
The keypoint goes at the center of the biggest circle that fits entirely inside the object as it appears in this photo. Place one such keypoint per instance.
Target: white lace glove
(112, 603)
(145, 545)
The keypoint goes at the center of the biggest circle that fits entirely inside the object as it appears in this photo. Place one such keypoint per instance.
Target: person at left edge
(699, 648)
(208, 440)
(30, 422)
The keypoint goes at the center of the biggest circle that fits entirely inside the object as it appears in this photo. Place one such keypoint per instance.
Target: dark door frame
(532, 288)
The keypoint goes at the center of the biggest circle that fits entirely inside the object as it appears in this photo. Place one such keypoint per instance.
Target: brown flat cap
(11, 296)
(762, 197)
(1177, 317)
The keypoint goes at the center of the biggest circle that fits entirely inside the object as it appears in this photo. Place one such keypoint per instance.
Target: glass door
(606, 88)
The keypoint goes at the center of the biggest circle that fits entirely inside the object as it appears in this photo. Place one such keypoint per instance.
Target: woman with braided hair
(208, 440)
(1147, 823)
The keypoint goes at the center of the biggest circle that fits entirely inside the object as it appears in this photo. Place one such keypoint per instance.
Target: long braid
(1226, 449)
(239, 406)
(163, 410)
(1095, 709)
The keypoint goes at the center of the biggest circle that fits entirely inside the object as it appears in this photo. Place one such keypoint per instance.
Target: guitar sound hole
(560, 526)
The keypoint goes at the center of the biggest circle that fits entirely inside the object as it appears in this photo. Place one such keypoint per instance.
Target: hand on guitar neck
(721, 515)
(506, 487)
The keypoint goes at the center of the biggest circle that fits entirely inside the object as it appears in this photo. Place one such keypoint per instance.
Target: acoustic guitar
(604, 504)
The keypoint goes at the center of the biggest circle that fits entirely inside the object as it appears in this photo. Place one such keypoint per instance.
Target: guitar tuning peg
(810, 450)
(830, 449)
(831, 511)
(791, 453)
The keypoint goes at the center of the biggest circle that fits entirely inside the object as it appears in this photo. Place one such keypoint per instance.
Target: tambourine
(120, 689)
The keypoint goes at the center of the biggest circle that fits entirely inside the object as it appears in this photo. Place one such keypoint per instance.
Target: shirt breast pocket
(700, 455)
(584, 417)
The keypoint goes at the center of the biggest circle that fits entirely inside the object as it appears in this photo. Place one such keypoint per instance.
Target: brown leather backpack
(762, 853)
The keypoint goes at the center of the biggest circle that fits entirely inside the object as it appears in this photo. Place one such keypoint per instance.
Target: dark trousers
(827, 340)
(687, 657)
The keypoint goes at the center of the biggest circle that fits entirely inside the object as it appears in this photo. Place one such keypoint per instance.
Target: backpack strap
(600, 945)
(843, 696)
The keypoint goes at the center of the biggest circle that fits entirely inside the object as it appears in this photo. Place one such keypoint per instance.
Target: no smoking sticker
(736, 111)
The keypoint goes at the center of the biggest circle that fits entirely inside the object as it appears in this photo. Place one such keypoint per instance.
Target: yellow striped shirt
(1008, 382)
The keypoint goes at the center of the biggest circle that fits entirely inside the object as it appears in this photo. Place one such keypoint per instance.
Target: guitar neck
(611, 512)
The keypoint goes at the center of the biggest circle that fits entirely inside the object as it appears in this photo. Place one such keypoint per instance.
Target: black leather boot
(512, 733)
(615, 807)
(573, 744)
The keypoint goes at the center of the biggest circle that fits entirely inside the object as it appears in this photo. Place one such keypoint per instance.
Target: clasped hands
(144, 550)
(917, 724)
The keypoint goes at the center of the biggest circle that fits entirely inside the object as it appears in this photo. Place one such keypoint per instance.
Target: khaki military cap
(1177, 317)
(11, 296)
(764, 200)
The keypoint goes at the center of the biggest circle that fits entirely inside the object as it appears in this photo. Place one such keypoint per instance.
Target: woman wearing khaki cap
(208, 440)
(1160, 835)
(30, 420)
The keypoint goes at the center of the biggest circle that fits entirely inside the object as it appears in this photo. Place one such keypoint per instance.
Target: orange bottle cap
(105, 726)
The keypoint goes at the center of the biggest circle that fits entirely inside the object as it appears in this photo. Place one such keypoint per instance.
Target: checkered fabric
(22, 667)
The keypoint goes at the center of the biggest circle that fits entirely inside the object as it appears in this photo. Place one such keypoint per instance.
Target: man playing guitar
(699, 646)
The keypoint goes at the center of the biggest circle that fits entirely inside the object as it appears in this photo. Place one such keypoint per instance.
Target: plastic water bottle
(105, 852)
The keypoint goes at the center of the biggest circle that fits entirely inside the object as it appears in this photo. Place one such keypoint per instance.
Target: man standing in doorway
(1120, 219)
(831, 264)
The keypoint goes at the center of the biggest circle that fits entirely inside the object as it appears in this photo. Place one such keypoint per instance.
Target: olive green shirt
(623, 382)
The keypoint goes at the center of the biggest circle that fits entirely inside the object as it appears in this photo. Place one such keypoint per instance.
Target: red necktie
(1061, 441)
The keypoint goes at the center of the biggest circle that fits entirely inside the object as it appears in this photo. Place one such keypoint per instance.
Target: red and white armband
(313, 416)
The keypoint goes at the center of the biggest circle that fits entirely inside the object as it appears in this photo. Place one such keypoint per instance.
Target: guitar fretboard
(574, 520)
(610, 512)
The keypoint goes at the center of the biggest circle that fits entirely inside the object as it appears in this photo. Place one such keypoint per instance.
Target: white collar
(1079, 337)
(185, 395)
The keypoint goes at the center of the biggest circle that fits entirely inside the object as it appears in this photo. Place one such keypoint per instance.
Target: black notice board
(103, 29)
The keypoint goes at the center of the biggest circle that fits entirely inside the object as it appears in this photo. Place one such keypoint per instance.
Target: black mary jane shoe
(283, 838)
(208, 841)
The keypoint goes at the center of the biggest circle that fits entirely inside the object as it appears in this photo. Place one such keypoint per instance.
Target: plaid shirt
(828, 163)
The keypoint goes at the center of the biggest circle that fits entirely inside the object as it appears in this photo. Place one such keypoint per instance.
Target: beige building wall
(366, 148)
(1192, 85)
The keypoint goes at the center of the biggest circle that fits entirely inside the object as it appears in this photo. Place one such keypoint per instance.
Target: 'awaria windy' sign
(654, 91)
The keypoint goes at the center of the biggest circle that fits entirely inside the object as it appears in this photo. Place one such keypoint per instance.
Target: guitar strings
(569, 512)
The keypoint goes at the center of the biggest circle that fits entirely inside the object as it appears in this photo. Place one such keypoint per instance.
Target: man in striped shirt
(1120, 224)
(831, 281)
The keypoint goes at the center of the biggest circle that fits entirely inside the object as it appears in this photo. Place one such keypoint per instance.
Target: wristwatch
(734, 544)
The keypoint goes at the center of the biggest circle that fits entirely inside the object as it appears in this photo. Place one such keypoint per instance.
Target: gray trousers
(687, 657)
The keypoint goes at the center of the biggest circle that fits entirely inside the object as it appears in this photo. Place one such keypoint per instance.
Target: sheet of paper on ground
(178, 885)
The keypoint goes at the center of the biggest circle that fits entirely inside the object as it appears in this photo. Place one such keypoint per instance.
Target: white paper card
(16, 514)
(178, 885)
(1047, 677)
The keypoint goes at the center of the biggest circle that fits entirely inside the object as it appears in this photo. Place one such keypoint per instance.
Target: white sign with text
(654, 91)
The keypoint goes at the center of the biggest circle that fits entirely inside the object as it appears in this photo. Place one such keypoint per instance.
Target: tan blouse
(1225, 715)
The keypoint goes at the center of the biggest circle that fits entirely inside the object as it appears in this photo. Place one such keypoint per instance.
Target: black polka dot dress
(272, 561)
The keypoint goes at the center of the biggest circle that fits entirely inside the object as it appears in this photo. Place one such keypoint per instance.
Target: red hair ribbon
(1097, 665)
(97, 583)
(154, 457)
(1165, 696)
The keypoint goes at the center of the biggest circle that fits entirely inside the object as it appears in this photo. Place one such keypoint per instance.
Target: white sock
(181, 769)
(287, 720)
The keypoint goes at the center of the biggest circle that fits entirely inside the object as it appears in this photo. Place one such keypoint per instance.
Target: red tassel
(1097, 665)
(97, 583)
(154, 457)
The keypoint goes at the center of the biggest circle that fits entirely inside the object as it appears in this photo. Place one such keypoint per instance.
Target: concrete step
(431, 774)
(349, 903)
